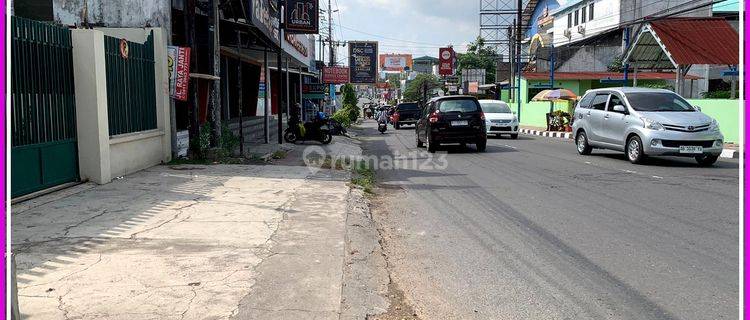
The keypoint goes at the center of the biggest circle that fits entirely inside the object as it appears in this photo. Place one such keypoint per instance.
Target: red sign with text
(447, 56)
(335, 75)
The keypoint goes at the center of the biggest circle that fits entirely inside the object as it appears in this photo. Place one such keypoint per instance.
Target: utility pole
(332, 55)
(518, 56)
(189, 12)
(279, 125)
(216, 91)
(239, 94)
(511, 59)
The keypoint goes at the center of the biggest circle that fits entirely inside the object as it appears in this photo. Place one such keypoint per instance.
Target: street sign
(178, 64)
(447, 55)
(302, 16)
(335, 75)
(363, 62)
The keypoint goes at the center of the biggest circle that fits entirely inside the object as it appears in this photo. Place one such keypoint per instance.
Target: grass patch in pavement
(279, 154)
(364, 176)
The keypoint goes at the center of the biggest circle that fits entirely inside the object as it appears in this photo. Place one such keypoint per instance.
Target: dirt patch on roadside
(399, 307)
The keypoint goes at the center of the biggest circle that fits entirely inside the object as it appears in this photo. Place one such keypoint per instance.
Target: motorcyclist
(382, 116)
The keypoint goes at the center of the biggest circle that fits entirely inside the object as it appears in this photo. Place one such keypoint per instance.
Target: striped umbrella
(555, 95)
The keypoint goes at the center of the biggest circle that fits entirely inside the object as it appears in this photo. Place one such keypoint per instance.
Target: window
(408, 106)
(658, 102)
(458, 105)
(613, 101)
(576, 18)
(591, 11)
(495, 107)
(583, 14)
(586, 101)
(600, 101)
(570, 20)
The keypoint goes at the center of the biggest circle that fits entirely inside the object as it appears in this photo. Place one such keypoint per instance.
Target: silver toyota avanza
(645, 122)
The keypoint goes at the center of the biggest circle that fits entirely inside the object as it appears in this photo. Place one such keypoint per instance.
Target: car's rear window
(459, 105)
(408, 106)
(495, 107)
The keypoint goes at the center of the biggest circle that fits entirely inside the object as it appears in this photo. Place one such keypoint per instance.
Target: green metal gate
(131, 95)
(44, 152)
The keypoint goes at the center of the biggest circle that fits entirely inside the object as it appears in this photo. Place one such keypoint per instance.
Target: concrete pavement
(200, 242)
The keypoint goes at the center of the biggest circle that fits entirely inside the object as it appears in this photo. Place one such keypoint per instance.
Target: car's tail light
(434, 117)
(396, 115)
(481, 115)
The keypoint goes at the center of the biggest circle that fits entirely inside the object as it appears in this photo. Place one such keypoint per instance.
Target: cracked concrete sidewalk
(190, 242)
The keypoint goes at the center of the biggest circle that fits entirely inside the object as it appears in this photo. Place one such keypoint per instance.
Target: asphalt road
(531, 230)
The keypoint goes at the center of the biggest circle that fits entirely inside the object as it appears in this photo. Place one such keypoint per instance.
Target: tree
(414, 91)
(479, 56)
(393, 80)
(349, 95)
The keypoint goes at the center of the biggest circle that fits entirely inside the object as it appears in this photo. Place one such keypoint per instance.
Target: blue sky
(425, 24)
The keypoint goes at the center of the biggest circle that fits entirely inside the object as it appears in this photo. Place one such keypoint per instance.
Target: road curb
(726, 153)
(548, 134)
(730, 154)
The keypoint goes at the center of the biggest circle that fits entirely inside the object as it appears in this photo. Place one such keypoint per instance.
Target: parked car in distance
(645, 122)
(451, 119)
(499, 118)
(405, 113)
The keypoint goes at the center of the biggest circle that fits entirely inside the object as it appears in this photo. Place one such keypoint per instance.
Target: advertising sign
(363, 59)
(335, 75)
(447, 56)
(302, 16)
(473, 87)
(178, 64)
(313, 88)
(264, 14)
(396, 62)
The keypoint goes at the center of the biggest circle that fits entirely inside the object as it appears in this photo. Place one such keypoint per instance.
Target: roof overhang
(649, 52)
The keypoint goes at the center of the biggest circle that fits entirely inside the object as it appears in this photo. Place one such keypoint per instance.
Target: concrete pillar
(161, 87)
(89, 71)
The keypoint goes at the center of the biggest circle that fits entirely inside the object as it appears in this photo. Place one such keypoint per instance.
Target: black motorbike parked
(382, 127)
(337, 129)
(314, 131)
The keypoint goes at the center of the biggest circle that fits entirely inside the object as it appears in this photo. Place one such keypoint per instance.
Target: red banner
(447, 55)
(179, 71)
(336, 75)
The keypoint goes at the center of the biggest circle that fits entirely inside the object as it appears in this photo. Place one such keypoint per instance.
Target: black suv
(451, 119)
(406, 113)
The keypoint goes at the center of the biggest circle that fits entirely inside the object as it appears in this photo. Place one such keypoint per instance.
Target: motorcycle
(382, 127)
(336, 128)
(309, 131)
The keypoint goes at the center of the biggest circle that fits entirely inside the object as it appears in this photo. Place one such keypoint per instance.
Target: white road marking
(629, 171)
(588, 162)
(657, 177)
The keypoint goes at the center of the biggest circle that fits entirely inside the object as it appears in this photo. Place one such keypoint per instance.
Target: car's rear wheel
(397, 125)
(482, 145)
(514, 136)
(634, 150)
(419, 142)
(431, 145)
(582, 144)
(706, 160)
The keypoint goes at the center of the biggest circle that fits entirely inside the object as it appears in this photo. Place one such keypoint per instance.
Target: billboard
(264, 15)
(335, 75)
(302, 16)
(396, 62)
(363, 62)
(447, 58)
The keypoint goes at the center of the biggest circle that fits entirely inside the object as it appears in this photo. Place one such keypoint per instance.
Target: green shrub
(718, 94)
(229, 142)
(342, 116)
(353, 112)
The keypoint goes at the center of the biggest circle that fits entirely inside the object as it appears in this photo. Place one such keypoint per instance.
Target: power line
(387, 38)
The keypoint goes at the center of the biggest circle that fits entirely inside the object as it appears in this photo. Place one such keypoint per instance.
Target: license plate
(460, 123)
(691, 149)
